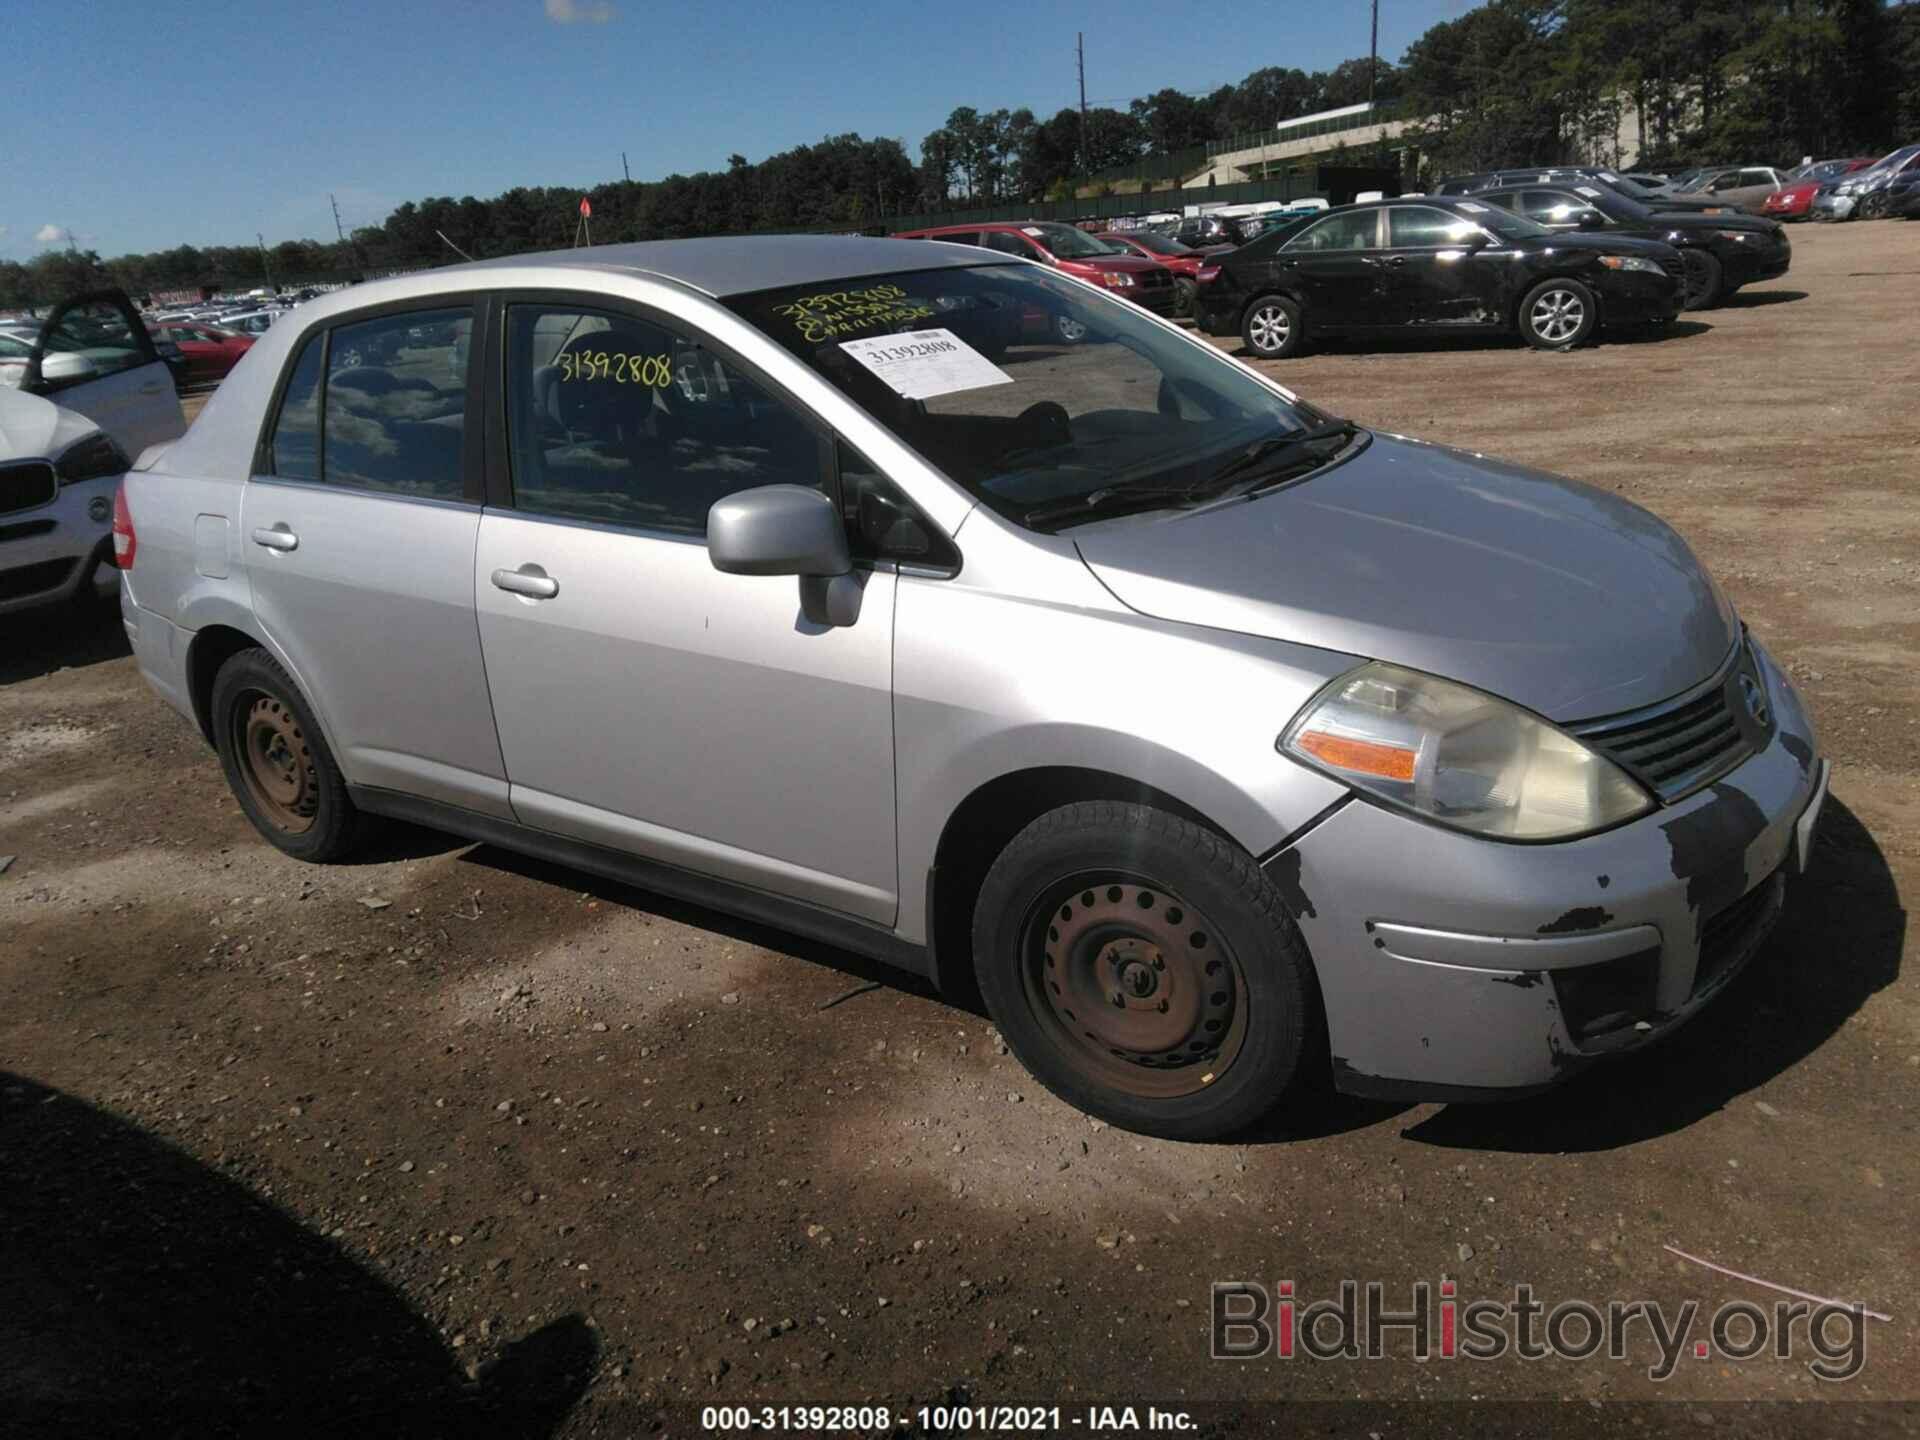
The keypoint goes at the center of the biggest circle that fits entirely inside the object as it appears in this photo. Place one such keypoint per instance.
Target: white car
(58, 474)
(251, 322)
(93, 355)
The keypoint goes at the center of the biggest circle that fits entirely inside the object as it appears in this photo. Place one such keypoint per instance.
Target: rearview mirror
(777, 530)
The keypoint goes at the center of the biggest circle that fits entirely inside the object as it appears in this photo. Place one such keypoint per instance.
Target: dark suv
(1722, 252)
(1441, 266)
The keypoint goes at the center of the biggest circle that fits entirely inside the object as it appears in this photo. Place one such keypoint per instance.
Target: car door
(1335, 267)
(1437, 272)
(358, 527)
(644, 700)
(93, 355)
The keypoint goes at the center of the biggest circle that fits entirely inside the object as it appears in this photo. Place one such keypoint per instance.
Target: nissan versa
(1218, 738)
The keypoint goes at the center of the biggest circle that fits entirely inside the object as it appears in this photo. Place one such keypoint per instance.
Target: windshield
(1159, 244)
(1025, 387)
(1067, 242)
(1504, 223)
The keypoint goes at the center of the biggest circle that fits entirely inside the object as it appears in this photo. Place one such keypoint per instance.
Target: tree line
(1513, 82)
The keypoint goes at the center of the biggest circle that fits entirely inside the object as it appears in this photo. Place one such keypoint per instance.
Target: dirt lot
(335, 1142)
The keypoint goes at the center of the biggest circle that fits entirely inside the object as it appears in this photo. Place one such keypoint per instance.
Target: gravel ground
(456, 1142)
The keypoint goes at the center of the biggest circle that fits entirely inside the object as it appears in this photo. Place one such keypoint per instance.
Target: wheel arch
(1273, 292)
(982, 825)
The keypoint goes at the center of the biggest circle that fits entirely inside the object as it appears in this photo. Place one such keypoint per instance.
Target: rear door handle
(528, 580)
(1397, 260)
(279, 537)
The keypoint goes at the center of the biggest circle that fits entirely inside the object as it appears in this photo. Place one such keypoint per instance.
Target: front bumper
(1831, 207)
(1637, 298)
(48, 555)
(1453, 967)
(1759, 259)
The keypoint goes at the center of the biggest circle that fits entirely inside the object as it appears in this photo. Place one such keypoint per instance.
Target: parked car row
(1887, 187)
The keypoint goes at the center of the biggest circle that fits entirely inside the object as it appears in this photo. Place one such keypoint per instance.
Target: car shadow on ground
(1435, 342)
(147, 1294)
(38, 642)
(1314, 1112)
(1754, 299)
(1838, 943)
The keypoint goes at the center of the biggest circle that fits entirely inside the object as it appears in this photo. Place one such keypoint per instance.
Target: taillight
(124, 541)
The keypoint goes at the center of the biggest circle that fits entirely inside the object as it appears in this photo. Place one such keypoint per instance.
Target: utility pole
(266, 264)
(623, 167)
(1080, 57)
(338, 228)
(1373, 56)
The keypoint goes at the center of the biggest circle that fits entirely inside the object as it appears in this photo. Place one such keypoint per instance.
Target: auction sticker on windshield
(926, 363)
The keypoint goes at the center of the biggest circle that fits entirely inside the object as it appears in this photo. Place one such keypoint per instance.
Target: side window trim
(498, 477)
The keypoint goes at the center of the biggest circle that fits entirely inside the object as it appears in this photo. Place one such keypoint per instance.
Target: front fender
(989, 685)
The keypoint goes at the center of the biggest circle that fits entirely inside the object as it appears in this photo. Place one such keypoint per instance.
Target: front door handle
(528, 580)
(1397, 260)
(279, 537)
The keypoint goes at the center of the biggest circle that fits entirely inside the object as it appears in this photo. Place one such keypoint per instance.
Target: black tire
(1705, 279)
(1873, 207)
(1186, 294)
(1172, 926)
(277, 763)
(1558, 314)
(1272, 328)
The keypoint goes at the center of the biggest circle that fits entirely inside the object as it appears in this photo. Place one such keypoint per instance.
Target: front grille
(27, 485)
(1677, 747)
(1730, 937)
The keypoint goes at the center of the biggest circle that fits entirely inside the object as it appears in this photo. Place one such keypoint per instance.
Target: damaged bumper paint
(1454, 967)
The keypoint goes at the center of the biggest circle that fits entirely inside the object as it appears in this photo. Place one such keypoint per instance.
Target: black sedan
(1722, 252)
(1436, 266)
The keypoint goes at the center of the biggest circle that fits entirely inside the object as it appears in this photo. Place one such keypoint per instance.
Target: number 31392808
(616, 368)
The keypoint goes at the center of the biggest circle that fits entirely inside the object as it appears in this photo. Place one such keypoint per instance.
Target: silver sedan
(817, 579)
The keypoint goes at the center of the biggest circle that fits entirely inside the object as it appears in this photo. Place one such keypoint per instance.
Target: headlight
(1118, 279)
(1631, 262)
(94, 458)
(1461, 757)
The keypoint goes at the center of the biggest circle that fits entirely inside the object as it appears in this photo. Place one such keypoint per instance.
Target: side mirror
(777, 530)
(1591, 220)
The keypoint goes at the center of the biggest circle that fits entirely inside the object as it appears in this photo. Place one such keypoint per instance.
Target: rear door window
(101, 332)
(1359, 230)
(379, 405)
(1423, 227)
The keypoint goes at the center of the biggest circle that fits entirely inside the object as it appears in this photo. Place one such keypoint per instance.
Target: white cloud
(49, 235)
(573, 12)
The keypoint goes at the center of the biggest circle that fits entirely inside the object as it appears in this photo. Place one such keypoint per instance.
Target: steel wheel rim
(1269, 328)
(1070, 330)
(1137, 989)
(276, 762)
(1558, 315)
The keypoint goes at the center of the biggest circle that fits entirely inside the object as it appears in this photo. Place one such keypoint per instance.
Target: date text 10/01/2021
(945, 1419)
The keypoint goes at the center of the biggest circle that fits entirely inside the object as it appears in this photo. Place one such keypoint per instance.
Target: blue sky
(141, 124)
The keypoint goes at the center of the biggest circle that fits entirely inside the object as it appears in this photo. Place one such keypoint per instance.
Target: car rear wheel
(1145, 970)
(1704, 279)
(277, 763)
(1271, 328)
(1558, 315)
(1185, 293)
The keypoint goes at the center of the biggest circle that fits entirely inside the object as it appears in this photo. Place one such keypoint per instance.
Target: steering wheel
(1048, 423)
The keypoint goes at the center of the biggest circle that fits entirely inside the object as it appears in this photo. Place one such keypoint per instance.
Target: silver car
(815, 579)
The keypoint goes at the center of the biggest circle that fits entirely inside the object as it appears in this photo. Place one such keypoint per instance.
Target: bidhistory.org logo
(1433, 1322)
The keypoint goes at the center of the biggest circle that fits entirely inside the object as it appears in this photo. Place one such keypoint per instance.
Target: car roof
(740, 264)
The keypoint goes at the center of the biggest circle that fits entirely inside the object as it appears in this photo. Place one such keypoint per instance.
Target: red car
(210, 352)
(1182, 259)
(1145, 282)
(1796, 200)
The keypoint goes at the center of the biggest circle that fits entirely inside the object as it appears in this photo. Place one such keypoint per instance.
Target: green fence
(1335, 125)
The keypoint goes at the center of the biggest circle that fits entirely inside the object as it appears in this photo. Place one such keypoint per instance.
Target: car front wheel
(1558, 315)
(1704, 277)
(1271, 328)
(277, 763)
(1145, 970)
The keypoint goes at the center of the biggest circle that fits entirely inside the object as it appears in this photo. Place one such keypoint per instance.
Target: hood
(1563, 598)
(33, 428)
(1602, 243)
(1731, 220)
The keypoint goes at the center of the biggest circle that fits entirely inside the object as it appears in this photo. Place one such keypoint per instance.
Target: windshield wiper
(1106, 500)
(1260, 452)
